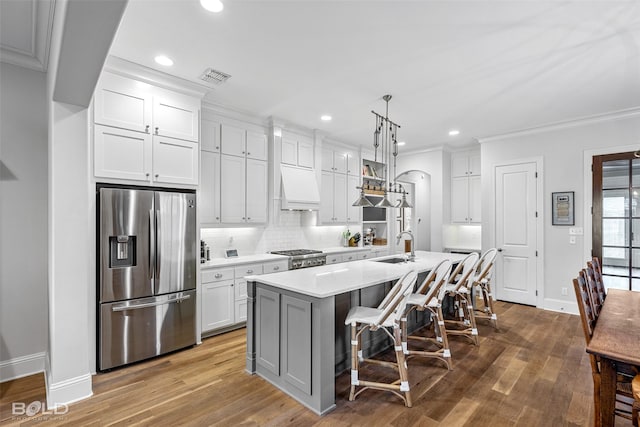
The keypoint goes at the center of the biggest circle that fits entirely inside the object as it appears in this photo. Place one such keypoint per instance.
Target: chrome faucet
(413, 252)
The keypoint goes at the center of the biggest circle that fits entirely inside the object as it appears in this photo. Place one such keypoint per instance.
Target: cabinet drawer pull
(276, 268)
(218, 275)
(249, 271)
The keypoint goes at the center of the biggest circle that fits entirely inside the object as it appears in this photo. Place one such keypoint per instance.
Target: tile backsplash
(294, 230)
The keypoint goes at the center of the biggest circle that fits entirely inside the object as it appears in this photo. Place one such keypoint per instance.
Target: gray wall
(563, 150)
(23, 220)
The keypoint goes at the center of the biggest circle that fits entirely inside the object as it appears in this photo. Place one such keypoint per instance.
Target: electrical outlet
(572, 240)
(564, 291)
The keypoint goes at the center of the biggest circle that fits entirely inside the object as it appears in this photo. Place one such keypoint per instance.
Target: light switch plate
(576, 231)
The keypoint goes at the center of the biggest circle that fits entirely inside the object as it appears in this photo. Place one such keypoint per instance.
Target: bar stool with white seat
(387, 315)
(429, 297)
(483, 273)
(459, 287)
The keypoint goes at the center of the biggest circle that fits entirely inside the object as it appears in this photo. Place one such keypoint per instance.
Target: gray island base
(296, 337)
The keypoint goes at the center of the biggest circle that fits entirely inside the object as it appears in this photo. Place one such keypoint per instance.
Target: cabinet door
(353, 212)
(232, 189)
(257, 191)
(176, 117)
(120, 102)
(240, 311)
(327, 159)
(305, 153)
(474, 164)
(256, 145)
(459, 165)
(459, 199)
(475, 197)
(209, 188)
(340, 162)
(175, 161)
(289, 151)
(353, 164)
(340, 197)
(217, 305)
(122, 154)
(233, 140)
(326, 197)
(210, 140)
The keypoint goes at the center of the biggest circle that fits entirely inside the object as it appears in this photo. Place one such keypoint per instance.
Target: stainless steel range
(303, 258)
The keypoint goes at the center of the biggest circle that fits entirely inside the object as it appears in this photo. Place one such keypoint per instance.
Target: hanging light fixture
(385, 138)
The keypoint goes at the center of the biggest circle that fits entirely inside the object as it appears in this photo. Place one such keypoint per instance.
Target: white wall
(436, 164)
(23, 221)
(562, 149)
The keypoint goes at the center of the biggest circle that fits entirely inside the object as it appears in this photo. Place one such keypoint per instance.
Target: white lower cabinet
(218, 298)
(224, 293)
(334, 259)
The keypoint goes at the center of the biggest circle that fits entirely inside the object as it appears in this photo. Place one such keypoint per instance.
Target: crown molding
(157, 78)
(565, 124)
(224, 111)
(40, 27)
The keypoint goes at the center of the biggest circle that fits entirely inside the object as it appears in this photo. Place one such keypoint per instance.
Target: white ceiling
(483, 67)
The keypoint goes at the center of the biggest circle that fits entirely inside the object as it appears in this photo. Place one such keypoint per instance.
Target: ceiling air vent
(214, 76)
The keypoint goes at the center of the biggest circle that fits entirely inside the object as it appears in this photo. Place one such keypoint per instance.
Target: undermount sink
(392, 260)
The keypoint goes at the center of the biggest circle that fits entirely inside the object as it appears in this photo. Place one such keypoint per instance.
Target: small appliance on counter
(205, 252)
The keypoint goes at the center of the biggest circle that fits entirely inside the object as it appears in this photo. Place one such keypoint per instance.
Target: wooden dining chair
(596, 299)
(594, 264)
(481, 280)
(588, 320)
(635, 412)
(459, 287)
(386, 317)
(428, 297)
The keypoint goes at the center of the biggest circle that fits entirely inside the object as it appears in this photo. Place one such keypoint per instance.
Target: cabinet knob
(146, 128)
(243, 152)
(157, 129)
(218, 275)
(147, 174)
(244, 218)
(157, 175)
(232, 285)
(249, 219)
(217, 147)
(248, 153)
(217, 218)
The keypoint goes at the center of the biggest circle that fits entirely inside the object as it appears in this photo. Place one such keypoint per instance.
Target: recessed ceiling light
(212, 5)
(164, 60)
(454, 132)
(325, 118)
(401, 143)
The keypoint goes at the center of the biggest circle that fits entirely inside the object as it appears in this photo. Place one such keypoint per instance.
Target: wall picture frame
(562, 208)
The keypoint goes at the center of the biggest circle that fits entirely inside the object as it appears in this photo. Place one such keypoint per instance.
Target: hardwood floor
(532, 372)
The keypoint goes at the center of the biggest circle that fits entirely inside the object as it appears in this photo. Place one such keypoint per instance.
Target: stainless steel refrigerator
(147, 274)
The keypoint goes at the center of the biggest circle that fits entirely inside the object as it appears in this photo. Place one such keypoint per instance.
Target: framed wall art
(562, 208)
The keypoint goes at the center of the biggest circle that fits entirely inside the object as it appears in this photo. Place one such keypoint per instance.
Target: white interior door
(516, 233)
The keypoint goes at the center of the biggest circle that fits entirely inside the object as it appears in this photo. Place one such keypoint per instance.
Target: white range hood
(299, 188)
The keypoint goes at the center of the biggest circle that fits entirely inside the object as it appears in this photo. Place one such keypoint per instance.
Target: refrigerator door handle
(158, 255)
(152, 246)
(149, 304)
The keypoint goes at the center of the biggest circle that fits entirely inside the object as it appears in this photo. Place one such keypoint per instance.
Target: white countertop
(245, 259)
(334, 279)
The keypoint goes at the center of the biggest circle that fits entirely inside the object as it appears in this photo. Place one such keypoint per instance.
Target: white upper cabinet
(465, 187)
(144, 133)
(256, 191)
(174, 161)
(123, 103)
(243, 190)
(353, 212)
(237, 141)
(340, 161)
(210, 140)
(122, 154)
(333, 198)
(209, 204)
(296, 150)
(176, 117)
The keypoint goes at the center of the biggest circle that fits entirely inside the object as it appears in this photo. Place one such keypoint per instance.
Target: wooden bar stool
(429, 298)
(482, 275)
(386, 316)
(459, 287)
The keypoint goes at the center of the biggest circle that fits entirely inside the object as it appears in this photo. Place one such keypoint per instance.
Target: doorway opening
(417, 219)
(616, 218)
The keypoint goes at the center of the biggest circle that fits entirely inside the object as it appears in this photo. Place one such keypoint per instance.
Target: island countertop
(334, 279)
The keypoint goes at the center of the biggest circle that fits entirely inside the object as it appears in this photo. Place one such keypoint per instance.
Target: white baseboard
(68, 391)
(22, 366)
(562, 306)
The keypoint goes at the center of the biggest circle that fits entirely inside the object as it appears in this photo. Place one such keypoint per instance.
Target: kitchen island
(296, 337)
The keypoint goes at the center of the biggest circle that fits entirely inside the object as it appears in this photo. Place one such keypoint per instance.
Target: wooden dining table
(616, 341)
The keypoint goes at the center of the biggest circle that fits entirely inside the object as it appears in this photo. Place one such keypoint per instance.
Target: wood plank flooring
(533, 371)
